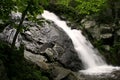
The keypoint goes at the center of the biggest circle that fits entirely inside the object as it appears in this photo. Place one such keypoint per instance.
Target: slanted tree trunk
(20, 25)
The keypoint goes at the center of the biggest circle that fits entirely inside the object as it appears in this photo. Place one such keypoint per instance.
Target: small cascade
(92, 61)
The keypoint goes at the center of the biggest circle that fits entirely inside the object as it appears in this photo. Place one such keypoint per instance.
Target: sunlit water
(92, 62)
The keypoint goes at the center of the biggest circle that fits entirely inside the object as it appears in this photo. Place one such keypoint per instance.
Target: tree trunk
(20, 25)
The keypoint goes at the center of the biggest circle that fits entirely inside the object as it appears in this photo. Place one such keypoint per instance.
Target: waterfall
(89, 56)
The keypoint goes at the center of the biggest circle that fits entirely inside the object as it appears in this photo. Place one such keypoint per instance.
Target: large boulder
(53, 42)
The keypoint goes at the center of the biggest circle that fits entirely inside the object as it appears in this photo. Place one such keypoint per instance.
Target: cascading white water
(86, 52)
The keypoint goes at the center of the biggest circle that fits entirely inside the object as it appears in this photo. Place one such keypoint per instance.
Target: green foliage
(6, 6)
(63, 2)
(16, 66)
(85, 6)
(34, 7)
(90, 6)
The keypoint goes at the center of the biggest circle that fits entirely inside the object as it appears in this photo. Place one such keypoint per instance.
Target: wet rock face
(98, 31)
(52, 42)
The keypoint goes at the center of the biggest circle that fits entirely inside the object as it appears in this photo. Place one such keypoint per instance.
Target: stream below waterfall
(90, 57)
